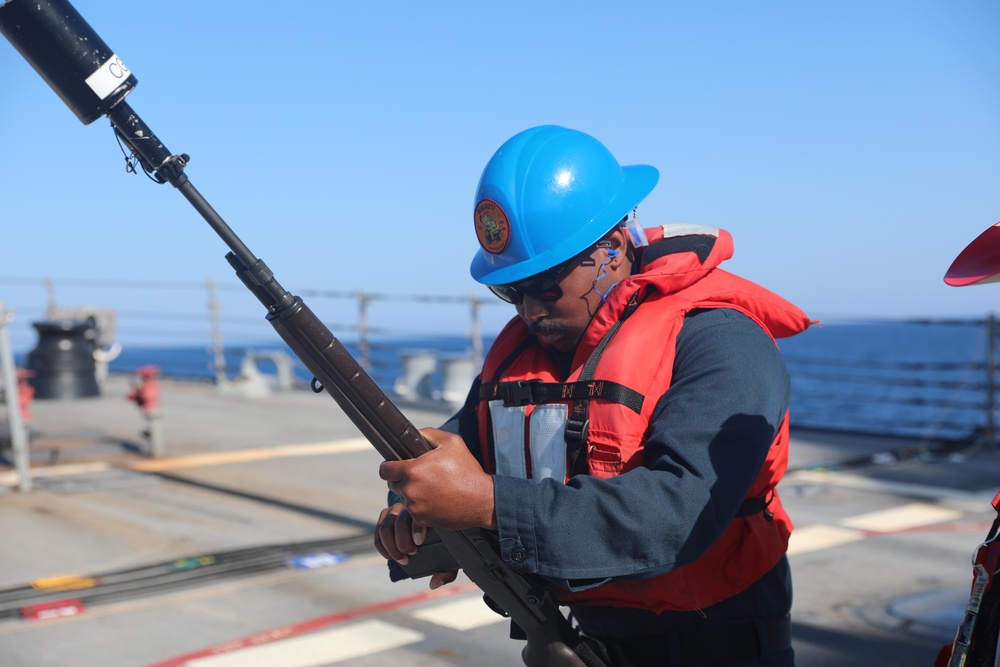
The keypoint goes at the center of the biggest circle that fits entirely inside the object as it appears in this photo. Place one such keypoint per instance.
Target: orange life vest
(608, 401)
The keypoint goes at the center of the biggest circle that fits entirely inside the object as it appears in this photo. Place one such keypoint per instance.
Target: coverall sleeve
(710, 435)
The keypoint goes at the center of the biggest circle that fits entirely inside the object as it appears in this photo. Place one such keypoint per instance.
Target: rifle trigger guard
(491, 603)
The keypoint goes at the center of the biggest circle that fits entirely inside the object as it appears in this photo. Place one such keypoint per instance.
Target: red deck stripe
(286, 631)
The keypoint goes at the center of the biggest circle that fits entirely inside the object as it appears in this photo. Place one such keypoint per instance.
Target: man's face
(560, 324)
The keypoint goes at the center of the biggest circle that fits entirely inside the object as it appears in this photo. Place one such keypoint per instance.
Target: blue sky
(852, 148)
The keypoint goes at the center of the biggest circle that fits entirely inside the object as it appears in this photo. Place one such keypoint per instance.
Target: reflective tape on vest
(544, 454)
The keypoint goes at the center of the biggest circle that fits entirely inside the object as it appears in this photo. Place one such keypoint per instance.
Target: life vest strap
(536, 392)
(578, 425)
(752, 506)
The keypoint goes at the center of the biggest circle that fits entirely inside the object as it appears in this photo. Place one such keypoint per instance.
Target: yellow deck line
(246, 455)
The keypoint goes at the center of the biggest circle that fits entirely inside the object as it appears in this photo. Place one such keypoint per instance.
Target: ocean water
(916, 379)
(923, 380)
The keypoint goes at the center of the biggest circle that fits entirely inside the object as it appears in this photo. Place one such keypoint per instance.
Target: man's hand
(443, 488)
(397, 538)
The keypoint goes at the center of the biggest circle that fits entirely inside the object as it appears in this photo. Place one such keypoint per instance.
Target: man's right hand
(397, 538)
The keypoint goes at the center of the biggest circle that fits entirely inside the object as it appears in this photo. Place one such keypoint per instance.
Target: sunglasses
(541, 287)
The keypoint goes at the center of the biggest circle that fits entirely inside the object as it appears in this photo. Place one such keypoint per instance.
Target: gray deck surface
(880, 557)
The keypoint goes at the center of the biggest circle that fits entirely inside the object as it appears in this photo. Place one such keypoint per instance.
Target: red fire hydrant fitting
(146, 394)
(25, 392)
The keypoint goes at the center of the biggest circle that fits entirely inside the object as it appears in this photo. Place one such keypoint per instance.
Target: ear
(618, 249)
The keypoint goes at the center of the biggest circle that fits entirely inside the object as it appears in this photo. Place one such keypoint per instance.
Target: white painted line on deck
(319, 648)
(466, 614)
(10, 478)
(871, 524)
(967, 500)
(904, 517)
(256, 454)
(814, 538)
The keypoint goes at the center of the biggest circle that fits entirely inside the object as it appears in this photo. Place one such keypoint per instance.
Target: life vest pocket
(605, 460)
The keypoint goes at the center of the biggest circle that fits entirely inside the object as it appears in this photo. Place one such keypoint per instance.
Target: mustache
(548, 327)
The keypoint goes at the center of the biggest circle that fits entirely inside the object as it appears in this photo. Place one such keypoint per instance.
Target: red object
(980, 645)
(977, 264)
(980, 261)
(25, 393)
(146, 394)
(55, 609)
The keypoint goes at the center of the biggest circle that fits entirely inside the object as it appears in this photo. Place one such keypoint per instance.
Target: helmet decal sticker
(492, 226)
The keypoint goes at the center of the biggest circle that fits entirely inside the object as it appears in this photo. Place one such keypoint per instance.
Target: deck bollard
(146, 394)
(63, 362)
(457, 374)
(417, 381)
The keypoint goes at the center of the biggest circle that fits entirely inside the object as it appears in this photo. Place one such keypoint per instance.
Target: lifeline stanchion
(991, 375)
(18, 432)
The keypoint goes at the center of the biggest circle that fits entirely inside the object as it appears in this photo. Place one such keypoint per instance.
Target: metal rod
(18, 432)
(991, 373)
(227, 235)
(218, 350)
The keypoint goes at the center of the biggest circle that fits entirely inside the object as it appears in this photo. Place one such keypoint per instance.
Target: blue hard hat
(545, 195)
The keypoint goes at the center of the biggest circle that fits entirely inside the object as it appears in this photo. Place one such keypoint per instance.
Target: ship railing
(944, 397)
(950, 395)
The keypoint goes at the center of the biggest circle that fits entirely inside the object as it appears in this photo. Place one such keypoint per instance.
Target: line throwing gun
(93, 82)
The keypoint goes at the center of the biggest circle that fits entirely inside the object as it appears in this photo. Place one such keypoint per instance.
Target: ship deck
(247, 543)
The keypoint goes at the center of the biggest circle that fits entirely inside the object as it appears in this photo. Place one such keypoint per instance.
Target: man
(629, 427)
(977, 641)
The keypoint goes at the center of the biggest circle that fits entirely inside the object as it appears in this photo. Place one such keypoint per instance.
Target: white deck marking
(10, 478)
(464, 614)
(813, 538)
(318, 648)
(913, 515)
(853, 529)
(970, 501)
